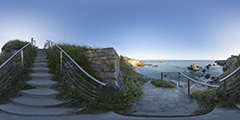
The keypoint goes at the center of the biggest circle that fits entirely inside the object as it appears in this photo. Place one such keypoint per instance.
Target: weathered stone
(105, 62)
(104, 58)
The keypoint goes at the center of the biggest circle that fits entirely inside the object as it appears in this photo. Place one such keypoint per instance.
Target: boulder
(155, 65)
(193, 67)
(207, 76)
(221, 62)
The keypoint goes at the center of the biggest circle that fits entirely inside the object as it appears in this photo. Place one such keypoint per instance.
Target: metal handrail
(202, 83)
(230, 75)
(79, 67)
(14, 55)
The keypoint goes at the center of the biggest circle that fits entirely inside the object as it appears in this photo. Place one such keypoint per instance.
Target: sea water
(174, 66)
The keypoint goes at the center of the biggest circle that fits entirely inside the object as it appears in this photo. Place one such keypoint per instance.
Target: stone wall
(105, 62)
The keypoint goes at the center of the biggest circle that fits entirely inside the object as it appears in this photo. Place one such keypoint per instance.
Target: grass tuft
(163, 83)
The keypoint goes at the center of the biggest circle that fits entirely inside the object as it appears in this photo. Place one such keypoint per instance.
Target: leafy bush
(111, 99)
(130, 72)
(163, 83)
(22, 75)
(13, 45)
(207, 99)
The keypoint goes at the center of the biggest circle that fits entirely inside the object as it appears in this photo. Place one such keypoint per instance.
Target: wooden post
(179, 79)
(22, 62)
(224, 90)
(161, 78)
(188, 86)
(100, 93)
(61, 61)
(32, 42)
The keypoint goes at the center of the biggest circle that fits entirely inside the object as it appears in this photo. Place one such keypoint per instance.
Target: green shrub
(111, 99)
(130, 72)
(13, 45)
(207, 99)
(163, 83)
(18, 82)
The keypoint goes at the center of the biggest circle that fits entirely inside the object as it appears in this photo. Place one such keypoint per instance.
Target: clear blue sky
(140, 29)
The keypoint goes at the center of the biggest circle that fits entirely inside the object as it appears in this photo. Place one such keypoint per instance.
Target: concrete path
(216, 114)
(40, 101)
(164, 102)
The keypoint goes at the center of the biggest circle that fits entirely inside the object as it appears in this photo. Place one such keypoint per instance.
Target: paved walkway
(164, 102)
(216, 114)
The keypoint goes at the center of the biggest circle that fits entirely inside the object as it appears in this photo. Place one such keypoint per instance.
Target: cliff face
(230, 64)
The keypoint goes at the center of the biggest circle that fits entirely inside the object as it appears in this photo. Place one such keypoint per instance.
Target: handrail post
(179, 79)
(32, 42)
(100, 92)
(188, 86)
(161, 78)
(61, 62)
(224, 90)
(22, 62)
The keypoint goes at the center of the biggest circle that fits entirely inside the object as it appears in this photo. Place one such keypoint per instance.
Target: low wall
(105, 62)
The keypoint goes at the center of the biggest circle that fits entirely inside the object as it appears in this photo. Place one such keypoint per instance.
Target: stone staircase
(41, 100)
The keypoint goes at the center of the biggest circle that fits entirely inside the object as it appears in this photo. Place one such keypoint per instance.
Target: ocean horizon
(174, 66)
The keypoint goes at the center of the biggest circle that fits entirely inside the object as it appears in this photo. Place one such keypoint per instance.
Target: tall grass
(111, 99)
(22, 75)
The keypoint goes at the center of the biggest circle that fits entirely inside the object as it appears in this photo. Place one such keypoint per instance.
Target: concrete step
(40, 64)
(40, 93)
(40, 69)
(41, 60)
(41, 76)
(32, 110)
(39, 57)
(24, 100)
(41, 83)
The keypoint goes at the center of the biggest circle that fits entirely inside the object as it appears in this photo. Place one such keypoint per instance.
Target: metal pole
(161, 78)
(22, 59)
(100, 92)
(31, 42)
(179, 79)
(188, 86)
(61, 60)
(224, 90)
(35, 43)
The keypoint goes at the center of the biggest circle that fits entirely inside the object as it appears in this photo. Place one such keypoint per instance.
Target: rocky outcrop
(227, 63)
(133, 62)
(221, 62)
(193, 67)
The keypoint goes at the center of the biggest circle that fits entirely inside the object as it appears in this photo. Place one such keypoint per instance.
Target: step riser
(41, 61)
(40, 70)
(41, 77)
(42, 86)
(39, 96)
(40, 65)
(41, 57)
(40, 104)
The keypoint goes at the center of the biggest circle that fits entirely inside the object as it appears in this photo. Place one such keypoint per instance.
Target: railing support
(161, 78)
(179, 79)
(188, 86)
(224, 90)
(100, 92)
(22, 62)
(61, 61)
(31, 42)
